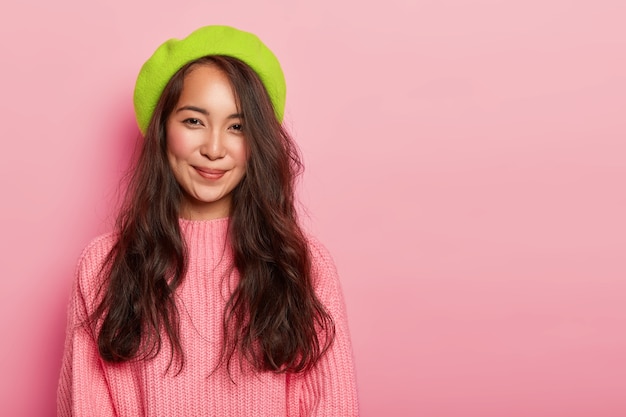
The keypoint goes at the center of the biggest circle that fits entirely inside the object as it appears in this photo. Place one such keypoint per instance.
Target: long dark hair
(273, 318)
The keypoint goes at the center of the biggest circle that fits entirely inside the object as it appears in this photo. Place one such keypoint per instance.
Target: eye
(192, 121)
(237, 127)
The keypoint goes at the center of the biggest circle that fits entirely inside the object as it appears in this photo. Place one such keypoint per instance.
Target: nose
(213, 146)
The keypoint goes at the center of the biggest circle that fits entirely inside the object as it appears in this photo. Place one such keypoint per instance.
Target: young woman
(208, 299)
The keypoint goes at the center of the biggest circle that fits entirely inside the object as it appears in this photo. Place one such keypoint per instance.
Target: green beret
(209, 40)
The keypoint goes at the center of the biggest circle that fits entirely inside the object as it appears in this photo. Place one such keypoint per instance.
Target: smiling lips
(210, 174)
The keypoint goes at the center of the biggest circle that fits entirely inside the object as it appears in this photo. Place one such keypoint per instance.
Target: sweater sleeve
(329, 390)
(83, 388)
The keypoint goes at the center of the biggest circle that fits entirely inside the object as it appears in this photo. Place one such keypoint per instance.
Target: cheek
(176, 145)
(241, 154)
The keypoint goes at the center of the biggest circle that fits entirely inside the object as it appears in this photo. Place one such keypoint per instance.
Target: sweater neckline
(204, 231)
(201, 230)
(221, 220)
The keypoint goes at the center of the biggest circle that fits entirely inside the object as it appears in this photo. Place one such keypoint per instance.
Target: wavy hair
(273, 318)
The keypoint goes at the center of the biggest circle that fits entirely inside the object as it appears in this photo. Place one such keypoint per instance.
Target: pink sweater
(90, 387)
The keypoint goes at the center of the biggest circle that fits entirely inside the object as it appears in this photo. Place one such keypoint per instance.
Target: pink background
(466, 165)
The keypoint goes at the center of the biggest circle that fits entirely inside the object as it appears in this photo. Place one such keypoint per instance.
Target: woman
(208, 299)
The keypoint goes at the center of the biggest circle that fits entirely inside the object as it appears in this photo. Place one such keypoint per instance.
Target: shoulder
(323, 268)
(326, 280)
(318, 250)
(89, 275)
(97, 250)
(321, 259)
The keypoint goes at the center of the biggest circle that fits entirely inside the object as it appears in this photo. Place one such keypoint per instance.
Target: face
(206, 147)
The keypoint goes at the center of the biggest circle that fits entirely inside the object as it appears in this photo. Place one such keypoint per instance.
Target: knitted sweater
(90, 387)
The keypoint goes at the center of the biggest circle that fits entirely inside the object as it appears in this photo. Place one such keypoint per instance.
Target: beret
(208, 40)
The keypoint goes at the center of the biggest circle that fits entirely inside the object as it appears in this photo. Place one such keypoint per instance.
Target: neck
(200, 210)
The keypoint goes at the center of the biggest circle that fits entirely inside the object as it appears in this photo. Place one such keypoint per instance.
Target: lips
(209, 173)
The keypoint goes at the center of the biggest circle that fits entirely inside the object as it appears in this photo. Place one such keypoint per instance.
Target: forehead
(205, 73)
(208, 84)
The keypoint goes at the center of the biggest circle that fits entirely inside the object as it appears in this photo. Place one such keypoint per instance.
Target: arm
(329, 390)
(83, 389)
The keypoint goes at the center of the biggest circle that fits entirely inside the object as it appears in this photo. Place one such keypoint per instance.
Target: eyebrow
(206, 113)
